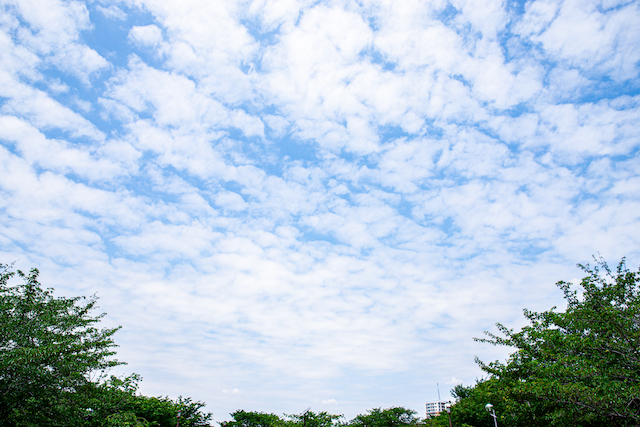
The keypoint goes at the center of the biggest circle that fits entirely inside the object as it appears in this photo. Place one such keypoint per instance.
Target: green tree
(49, 349)
(125, 419)
(390, 417)
(311, 419)
(118, 401)
(469, 409)
(53, 364)
(262, 419)
(163, 411)
(243, 418)
(580, 367)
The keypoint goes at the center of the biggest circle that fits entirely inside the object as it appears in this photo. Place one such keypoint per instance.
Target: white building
(434, 408)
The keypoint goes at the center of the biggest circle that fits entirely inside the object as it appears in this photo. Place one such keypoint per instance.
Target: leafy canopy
(49, 349)
(243, 418)
(53, 364)
(391, 417)
(377, 417)
(578, 367)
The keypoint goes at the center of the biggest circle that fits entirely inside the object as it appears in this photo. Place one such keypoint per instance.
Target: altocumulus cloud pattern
(294, 203)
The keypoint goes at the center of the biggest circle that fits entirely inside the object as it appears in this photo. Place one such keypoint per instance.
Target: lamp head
(488, 407)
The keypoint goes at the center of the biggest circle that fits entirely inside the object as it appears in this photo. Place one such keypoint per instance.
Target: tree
(311, 419)
(390, 417)
(49, 348)
(262, 419)
(117, 402)
(163, 411)
(53, 364)
(253, 419)
(580, 367)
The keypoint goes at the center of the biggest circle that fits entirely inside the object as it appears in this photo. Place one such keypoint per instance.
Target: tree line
(390, 417)
(576, 367)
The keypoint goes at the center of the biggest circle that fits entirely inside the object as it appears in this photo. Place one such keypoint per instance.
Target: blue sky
(291, 204)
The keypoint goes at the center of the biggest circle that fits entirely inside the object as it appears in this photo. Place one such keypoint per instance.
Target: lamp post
(178, 417)
(447, 406)
(305, 414)
(492, 412)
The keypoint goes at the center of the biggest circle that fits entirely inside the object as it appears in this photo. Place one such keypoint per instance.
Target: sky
(292, 204)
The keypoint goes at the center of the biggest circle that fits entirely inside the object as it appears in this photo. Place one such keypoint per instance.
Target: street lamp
(447, 406)
(178, 417)
(492, 412)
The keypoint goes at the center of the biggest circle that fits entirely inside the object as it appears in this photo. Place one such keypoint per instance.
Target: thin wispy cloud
(292, 204)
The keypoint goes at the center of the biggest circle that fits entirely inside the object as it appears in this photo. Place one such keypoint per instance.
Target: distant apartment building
(434, 408)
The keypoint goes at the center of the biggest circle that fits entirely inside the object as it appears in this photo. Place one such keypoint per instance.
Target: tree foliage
(390, 417)
(53, 364)
(580, 367)
(312, 419)
(117, 401)
(49, 348)
(377, 417)
(308, 418)
(243, 418)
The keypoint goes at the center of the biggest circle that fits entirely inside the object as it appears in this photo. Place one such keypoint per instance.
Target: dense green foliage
(261, 419)
(118, 402)
(49, 347)
(580, 367)
(312, 419)
(53, 364)
(253, 419)
(390, 417)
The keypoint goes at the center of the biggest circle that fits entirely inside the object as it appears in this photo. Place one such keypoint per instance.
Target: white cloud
(230, 200)
(146, 35)
(580, 33)
(55, 155)
(175, 101)
(277, 124)
(112, 12)
(43, 111)
(53, 30)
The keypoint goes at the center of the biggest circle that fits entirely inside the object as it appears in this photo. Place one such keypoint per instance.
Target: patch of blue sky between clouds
(310, 234)
(376, 57)
(292, 149)
(447, 14)
(603, 89)
(110, 34)
(391, 132)
(266, 36)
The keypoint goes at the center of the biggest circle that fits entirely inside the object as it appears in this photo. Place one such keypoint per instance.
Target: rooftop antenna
(438, 386)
